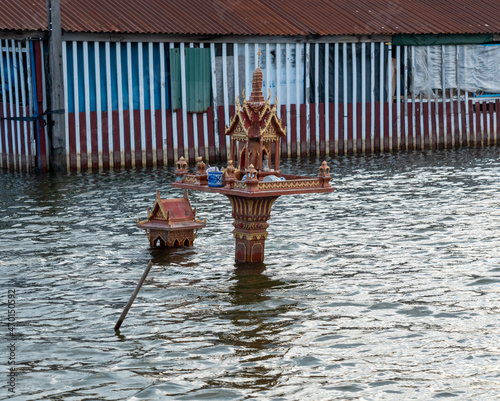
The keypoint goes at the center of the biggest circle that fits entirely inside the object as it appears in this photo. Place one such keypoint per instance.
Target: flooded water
(386, 289)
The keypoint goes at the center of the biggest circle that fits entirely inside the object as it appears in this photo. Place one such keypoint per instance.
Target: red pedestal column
(250, 224)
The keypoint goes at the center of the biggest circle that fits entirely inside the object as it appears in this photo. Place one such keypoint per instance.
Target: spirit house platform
(252, 180)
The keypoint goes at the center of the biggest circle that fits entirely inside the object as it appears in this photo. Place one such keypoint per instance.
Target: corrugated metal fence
(23, 138)
(145, 103)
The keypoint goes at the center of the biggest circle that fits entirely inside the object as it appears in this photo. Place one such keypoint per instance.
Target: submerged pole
(132, 298)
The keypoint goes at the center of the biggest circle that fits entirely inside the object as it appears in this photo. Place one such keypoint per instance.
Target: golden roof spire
(256, 96)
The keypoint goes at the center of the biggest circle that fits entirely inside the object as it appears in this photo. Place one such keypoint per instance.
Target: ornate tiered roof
(257, 118)
(256, 121)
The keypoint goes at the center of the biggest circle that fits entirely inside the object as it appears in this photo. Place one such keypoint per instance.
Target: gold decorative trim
(240, 133)
(312, 183)
(255, 251)
(250, 237)
(190, 180)
(245, 107)
(265, 109)
(158, 201)
(270, 135)
(255, 107)
(239, 185)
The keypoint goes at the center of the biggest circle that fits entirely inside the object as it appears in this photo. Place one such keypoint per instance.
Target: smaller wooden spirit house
(254, 129)
(172, 222)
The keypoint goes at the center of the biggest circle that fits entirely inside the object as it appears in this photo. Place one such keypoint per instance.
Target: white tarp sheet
(472, 68)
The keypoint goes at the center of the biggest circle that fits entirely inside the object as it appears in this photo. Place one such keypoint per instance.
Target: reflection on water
(387, 288)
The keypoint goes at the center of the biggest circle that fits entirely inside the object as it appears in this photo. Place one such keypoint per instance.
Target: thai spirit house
(252, 180)
(255, 129)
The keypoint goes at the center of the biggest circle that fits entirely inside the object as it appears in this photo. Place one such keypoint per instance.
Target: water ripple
(387, 289)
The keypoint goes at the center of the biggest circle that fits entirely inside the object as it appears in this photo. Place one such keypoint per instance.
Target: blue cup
(215, 179)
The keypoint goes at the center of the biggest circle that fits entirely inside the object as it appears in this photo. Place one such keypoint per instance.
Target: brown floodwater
(386, 289)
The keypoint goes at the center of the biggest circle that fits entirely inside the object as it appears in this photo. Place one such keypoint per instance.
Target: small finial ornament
(324, 170)
(181, 170)
(251, 173)
(258, 62)
(181, 164)
(201, 166)
(324, 175)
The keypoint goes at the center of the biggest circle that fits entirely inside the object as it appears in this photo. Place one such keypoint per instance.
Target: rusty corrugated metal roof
(368, 17)
(192, 17)
(259, 17)
(282, 17)
(23, 15)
